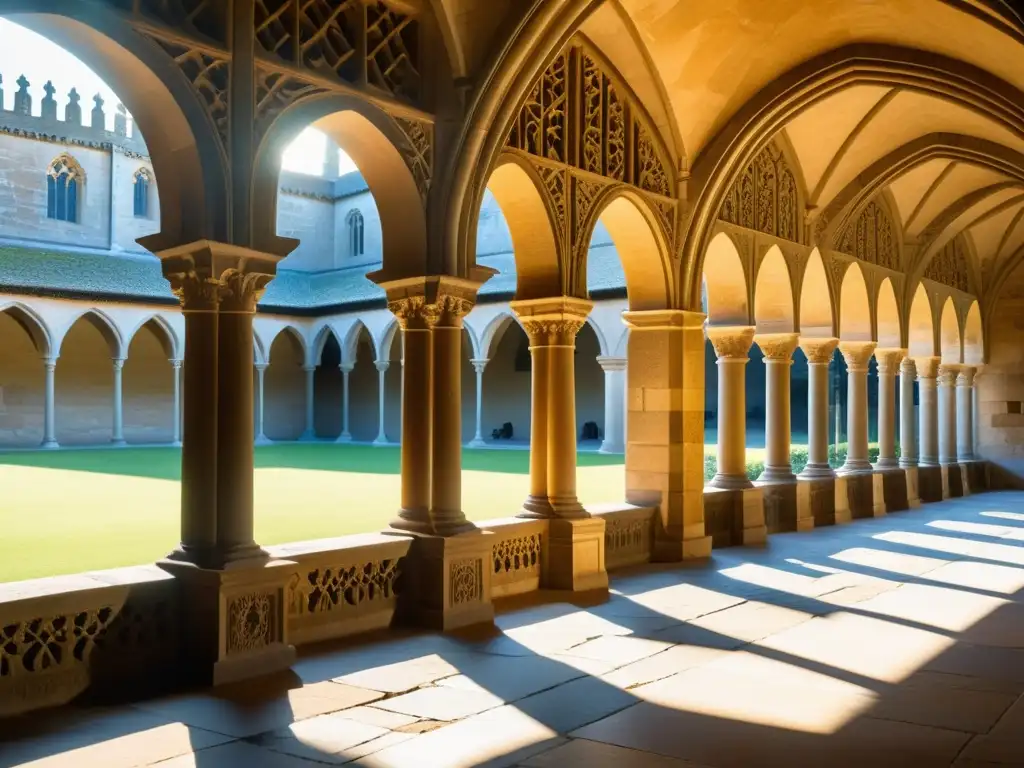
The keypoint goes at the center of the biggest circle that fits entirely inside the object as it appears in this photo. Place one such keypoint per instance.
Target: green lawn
(75, 510)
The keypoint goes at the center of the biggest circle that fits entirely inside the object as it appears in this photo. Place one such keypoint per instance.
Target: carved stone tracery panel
(872, 238)
(949, 266)
(764, 198)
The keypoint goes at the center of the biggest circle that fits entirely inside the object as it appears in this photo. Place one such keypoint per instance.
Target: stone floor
(897, 641)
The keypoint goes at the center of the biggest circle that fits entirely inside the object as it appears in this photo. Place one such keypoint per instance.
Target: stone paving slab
(895, 641)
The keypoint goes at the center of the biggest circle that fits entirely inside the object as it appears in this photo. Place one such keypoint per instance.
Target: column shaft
(778, 361)
(537, 503)
(732, 345)
(819, 355)
(382, 369)
(614, 403)
(117, 431)
(261, 369)
(176, 407)
(346, 370)
(49, 405)
(478, 438)
(927, 369)
(888, 363)
(309, 433)
(947, 413)
(965, 414)
(857, 354)
(908, 422)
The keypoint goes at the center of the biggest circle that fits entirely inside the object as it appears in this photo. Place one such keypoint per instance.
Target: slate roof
(85, 275)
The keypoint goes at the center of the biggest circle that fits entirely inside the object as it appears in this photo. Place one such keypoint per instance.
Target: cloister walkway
(892, 641)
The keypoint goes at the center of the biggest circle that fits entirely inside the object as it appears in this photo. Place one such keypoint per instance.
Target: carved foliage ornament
(819, 351)
(764, 197)
(250, 622)
(857, 354)
(514, 557)
(275, 92)
(233, 291)
(731, 343)
(626, 534)
(45, 643)
(608, 138)
(548, 331)
(871, 238)
(418, 151)
(447, 310)
(323, 590)
(949, 266)
(465, 579)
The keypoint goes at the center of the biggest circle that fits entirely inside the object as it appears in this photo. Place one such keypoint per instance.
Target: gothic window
(63, 181)
(141, 192)
(355, 233)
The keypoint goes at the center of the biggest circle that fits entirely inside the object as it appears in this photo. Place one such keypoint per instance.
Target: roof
(137, 278)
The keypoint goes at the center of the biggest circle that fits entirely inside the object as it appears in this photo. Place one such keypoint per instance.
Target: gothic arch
(726, 283)
(887, 315)
(921, 325)
(773, 295)
(108, 330)
(949, 334)
(532, 217)
(296, 334)
(640, 243)
(747, 131)
(181, 124)
(387, 341)
(34, 325)
(350, 344)
(854, 306)
(259, 350)
(320, 341)
(974, 339)
(381, 152)
(816, 310)
(164, 333)
(492, 333)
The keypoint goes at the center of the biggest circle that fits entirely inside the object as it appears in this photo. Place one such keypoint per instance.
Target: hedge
(797, 457)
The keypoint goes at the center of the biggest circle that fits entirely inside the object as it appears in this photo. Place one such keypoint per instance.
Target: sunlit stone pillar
(176, 407)
(261, 438)
(346, 370)
(117, 430)
(732, 346)
(382, 369)
(819, 354)
(49, 406)
(778, 351)
(965, 414)
(908, 422)
(927, 369)
(857, 354)
(614, 403)
(309, 433)
(478, 438)
(947, 412)
(888, 363)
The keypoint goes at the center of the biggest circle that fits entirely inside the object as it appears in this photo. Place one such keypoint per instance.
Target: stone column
(261, 369)
(947, 412)
(819, 355)
(665, 428)
(778, 351)
(965, 414)
(908, 423)
(382, 369)
(927, 369)
(117, 430)
(857, 355)
(219, 286)
(309, 433)
(346, 370)
(49, 406)
(614, 403)
(478, 436)
(732, 345)
(888, 362)
(176, 408)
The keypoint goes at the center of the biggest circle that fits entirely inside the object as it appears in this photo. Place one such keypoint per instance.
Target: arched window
(62, 186)
(355, 233)
(142, 179)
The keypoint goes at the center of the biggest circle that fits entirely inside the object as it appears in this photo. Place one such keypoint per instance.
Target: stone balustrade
(628, 533)
(517, 554)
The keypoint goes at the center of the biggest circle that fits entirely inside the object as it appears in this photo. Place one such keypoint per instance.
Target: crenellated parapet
(43, 124)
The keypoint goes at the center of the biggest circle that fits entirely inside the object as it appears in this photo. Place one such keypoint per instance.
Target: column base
(49, 445)
(842, 501)
(855, 467)
(730, 482)
(211, 558)
(307, 436)
(574, 557)
(119, 443)
(737, 515)
(175, 444)
(477, 442)
(416, 521)
(913, 485)
(813, 471)
(263, 440)
(379, 441)
(237, 627)
(613, 448)
(777, 475)
(344, 438)
(537, 508)
(446, 581)
(888, 462)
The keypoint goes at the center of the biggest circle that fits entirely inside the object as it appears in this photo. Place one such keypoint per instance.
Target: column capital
(889, 360)
(422, 303)
(663, 319)
(819, 351)
(611, 363)
(208, 276)
(261, 366)
(175, 364)
(346, 367)
(381, 365)
(479, 364)
(554, 321)
(309, 367)
(908, 367)
(731, 342)
(857, 354)
(927, 367)
(966, 376)
(777, 347)
(118, 363)
(948, 373)
(49, 363)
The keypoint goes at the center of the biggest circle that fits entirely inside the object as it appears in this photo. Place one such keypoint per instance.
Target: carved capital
(908, 367)
(857, 354)
(612, 363)
(889, 361)
(451, 308)
(948, 373)
(118, 363)
(217, 277)
(731, 342)
(777, 347)
(381, 365)
(552, 322)
(422, 303)
(414, 313)
(966, 376)
(819, 351)
(927, 367)
(479, 365)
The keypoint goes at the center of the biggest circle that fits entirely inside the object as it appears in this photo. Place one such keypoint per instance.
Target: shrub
(710, 466)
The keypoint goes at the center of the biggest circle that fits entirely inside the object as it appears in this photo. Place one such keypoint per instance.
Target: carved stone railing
(106, 630)
(517, 554)
(342, 586)
(628, 533)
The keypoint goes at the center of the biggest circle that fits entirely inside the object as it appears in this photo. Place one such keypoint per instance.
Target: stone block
(913, 487)
(878, 508)
(860, 494)
(574, 557)
(781, 507)
(930, 483)
(953, 480)
(895, 494)
(816, 502)
(842, 513)
(735, 516)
